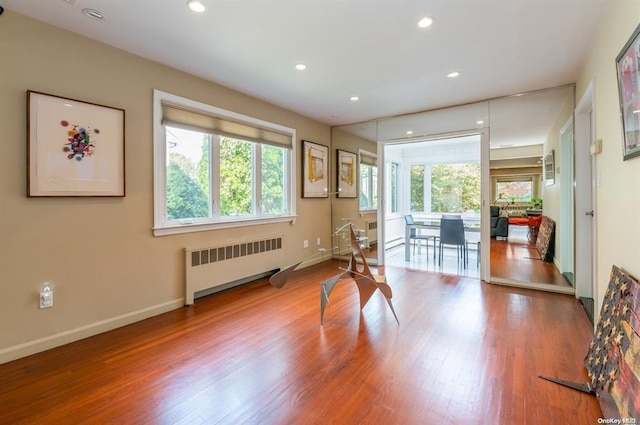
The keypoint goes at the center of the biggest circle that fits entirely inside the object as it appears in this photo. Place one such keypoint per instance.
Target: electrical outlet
(46, 297)
(318, 242)
(305, 244)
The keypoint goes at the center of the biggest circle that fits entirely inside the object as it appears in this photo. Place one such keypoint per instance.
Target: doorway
(585, 185)
(428, 180)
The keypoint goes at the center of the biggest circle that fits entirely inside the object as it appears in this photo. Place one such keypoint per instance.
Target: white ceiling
(369, 48)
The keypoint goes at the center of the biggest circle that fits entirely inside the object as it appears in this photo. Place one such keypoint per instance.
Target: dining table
(432, 225)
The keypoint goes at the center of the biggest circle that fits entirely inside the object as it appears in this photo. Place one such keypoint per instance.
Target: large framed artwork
(629, 92)
(315, 170)
(74, 148)
(347, 163)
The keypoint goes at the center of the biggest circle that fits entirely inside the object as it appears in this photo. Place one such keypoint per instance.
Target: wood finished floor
(465, 352)
(516, 258)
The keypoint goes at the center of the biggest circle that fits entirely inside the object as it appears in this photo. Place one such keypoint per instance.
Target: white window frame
(373, 185)
(162, 226)
(515, 179)
(389, 196)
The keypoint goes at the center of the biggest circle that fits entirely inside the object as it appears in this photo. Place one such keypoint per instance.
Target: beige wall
(618, 196)
(99, 255)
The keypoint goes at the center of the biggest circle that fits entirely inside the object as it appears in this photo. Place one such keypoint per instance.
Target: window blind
(368, 159)
(182, 117)
(514, 179)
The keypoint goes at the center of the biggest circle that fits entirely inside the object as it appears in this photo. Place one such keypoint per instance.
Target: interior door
(585, 213)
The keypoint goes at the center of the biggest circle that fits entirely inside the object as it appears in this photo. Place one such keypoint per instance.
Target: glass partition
(525, 129)
(361, 210)
(428, 165)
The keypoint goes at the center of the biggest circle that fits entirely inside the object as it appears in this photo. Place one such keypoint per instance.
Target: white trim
(66, 337)
(203, 227)
(534, 285)
(584, 133)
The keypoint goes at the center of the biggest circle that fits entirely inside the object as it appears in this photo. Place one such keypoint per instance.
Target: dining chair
(417, 236)
(452, 233)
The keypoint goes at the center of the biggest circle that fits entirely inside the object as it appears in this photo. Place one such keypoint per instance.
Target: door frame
(485, 236)
(585, 185)
(567, 200)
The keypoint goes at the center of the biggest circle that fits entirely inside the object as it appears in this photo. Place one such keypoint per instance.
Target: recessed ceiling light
(479, 122)
(425, 22)
(409, 132)
(93, 14)
(301, 67)
(453, 74)
(196, 5)
(354, 98)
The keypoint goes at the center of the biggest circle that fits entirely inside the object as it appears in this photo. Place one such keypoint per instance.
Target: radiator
(212, 269)
(371, 232)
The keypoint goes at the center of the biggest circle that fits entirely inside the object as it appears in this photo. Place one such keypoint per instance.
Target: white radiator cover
(221, 266)
(371, 232)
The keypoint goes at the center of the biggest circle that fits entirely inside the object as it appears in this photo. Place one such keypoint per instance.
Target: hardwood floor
(465, 352)
(516, 258)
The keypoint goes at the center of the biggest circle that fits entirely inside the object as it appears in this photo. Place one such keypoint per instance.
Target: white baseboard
(535, 285)
(62, 338)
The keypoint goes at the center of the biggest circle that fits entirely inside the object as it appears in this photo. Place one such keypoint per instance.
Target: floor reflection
(423, 260)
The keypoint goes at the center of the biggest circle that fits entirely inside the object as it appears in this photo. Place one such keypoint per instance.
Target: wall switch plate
(305, 244)
(596, 147)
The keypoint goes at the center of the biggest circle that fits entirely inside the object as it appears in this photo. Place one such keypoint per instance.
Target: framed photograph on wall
(549, 169)
(315, 170)
(346, 164)
(74, 148)
(629, 92)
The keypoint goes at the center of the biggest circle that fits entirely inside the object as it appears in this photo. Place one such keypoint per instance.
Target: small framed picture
(549, 169)
(346, 165)
(629, 92)
(315, 170)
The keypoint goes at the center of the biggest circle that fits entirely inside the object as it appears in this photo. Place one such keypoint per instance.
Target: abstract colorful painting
(79, 141)
(74, 148)
(546, 239)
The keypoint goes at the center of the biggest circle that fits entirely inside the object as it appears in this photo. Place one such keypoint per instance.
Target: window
(368, 181)
(455, 187)
(416, 199)
(515, 189)
(217, 169)
(393, 187)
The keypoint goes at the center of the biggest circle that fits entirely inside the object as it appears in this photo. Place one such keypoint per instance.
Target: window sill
(204, 227)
